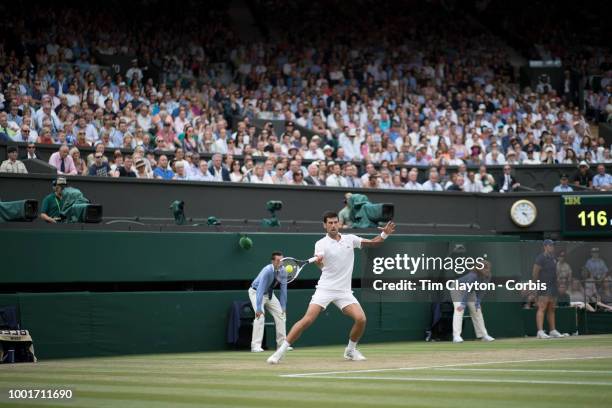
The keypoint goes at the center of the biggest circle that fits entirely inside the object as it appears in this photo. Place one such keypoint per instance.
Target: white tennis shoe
(542, 335)
(276, 357)
(488, 338)
(257, 350)
(457, 339)
(353, 354)
(555, 334)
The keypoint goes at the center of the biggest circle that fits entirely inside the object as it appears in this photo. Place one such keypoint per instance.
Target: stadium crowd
(359, 107)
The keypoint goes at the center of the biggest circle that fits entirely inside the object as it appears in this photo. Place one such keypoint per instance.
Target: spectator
(25, 134)
(236, 175)
(202, 174)
(432, 182)
(583, 177)
(259, 176)
(30, 152)
(91, 157)
(162, 171)
(596, 267)
(314, 152)
(352, 181)
(413, 184)
(180, 174)
(312, 178)
(298, 179)
(80, 164)
(335, 179)
(141, 169)
(487, 180)
(563, 186)
(458, 184)
(507, 183)
(44, 137)
(577, 297)
(279, 175)
(564, 270)
(495, 157)
(471, 184)
(370, 172)
(512, 159)
(100, 167)
(12, 165)
(420, 158)
(219, 172)
(127, 170)
(531, 158)
(548, 157)
(602, 181)
(63, 162)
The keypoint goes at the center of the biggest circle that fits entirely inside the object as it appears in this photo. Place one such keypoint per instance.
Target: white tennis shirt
(338, 260)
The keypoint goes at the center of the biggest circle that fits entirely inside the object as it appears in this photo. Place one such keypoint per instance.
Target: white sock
(352, 344)
(284, 346)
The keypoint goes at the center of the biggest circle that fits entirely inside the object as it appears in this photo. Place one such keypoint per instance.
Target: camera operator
(52, 204)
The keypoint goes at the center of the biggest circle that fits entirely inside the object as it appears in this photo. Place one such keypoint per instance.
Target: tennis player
(262, 296)
(335, 256)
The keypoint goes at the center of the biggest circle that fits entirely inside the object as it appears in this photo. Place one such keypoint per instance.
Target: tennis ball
(245, 243)
(289, 268)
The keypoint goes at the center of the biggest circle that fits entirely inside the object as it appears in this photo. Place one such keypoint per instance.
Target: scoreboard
(586, 215)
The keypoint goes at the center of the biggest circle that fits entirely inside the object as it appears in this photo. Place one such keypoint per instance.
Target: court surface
(574, 371)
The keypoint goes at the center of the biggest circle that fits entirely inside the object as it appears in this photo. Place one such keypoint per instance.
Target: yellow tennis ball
(289, 268)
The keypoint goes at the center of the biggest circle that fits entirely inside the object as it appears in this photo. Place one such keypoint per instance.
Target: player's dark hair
(275, 254)
(329, 214)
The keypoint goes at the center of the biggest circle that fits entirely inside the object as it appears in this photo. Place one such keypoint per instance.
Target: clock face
(523, 213)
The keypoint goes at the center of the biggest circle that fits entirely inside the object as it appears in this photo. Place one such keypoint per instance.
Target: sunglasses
(98, 157)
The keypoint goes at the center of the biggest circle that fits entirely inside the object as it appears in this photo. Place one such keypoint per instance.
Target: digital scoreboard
(586, 215)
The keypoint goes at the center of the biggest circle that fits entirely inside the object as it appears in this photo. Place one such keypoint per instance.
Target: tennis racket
(292, 267)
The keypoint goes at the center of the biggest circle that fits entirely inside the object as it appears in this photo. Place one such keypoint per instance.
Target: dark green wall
(109, 256)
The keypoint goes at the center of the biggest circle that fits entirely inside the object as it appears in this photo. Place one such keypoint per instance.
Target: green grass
(570, 372)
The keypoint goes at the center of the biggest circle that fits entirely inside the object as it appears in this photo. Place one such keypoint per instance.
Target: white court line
(379, 370)
(527, 370)
(470, 380)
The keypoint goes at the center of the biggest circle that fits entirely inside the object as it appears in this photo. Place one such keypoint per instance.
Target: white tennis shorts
(340, 298)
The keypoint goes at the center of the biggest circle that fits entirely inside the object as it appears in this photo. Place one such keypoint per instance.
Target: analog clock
(523, 213)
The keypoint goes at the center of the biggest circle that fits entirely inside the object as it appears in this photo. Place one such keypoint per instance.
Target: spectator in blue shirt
(563, 187)
(262, 296)
(602, 180)
(596, 266)
(162, 171)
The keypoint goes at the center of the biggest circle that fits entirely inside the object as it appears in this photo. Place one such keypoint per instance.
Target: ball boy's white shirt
(338, 260)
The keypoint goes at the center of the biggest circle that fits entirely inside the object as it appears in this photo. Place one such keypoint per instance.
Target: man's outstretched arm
(387, 230)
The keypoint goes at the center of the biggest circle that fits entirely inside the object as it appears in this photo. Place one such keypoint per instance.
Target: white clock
(523, 213)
